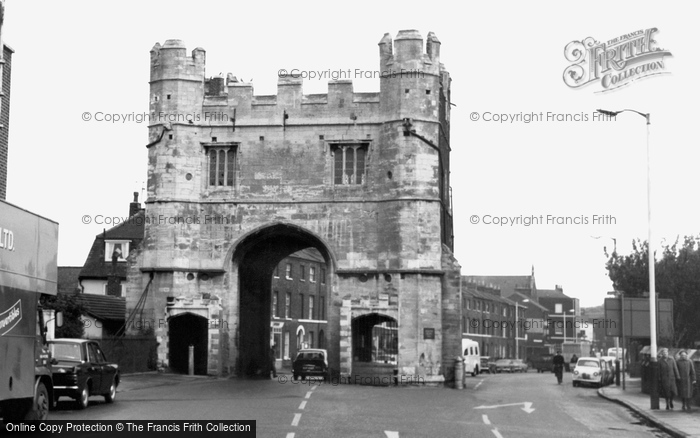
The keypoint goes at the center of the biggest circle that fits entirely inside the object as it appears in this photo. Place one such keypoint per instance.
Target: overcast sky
(73, 57)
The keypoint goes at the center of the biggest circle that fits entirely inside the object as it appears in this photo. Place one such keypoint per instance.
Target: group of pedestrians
(676, 378)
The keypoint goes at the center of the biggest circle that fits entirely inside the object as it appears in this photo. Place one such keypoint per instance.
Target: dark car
(310, 362)
(484, 365)
(80, 370)
(542, 362)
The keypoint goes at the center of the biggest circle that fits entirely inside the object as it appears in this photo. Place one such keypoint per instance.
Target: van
(472, 357)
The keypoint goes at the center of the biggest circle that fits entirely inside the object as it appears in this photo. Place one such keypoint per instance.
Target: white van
(472, 357)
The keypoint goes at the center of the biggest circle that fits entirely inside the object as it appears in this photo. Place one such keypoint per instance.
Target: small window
(116, 248)
(302, 273)
(558, 308)
(222, 165)
(323, 276)
(276, 272)
(301, 306)
(288, 271)
(312, 300)
(322, 311)
(312, 274)
(349, 164)
(287, 306)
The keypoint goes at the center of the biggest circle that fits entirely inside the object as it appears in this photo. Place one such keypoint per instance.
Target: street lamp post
(652, 274)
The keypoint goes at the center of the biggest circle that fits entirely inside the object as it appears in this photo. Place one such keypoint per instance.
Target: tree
(677, 278)
(72, 310)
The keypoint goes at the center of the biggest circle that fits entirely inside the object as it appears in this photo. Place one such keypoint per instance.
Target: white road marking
(497, 433)
(290, 435)
(391, 434)
(486, 419)
(295, 421)
(314, 387)
(302, 406)
(527, 406)
(308, 394)
(480, 382)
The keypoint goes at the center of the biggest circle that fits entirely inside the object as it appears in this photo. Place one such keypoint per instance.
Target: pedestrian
(273, 361)
(574, 360)
(686, 369)
(668, 374)
(558, 366)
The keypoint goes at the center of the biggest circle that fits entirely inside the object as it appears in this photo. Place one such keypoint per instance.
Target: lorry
(580, 349)
(28, 255)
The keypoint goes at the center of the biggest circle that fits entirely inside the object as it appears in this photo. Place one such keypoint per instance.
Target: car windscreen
(66, 352)
(588, 363)
(307, 355)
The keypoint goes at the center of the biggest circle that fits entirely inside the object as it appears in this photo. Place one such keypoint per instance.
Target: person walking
(558, 366)
(273, 361)
(686, 369)
(668, 374)
(572, 364)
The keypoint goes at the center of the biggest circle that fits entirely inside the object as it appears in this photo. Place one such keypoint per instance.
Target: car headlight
(595, 373)
(575, 372)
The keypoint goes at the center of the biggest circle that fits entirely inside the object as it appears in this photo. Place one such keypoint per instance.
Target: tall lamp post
(517, 350)
(652, 275)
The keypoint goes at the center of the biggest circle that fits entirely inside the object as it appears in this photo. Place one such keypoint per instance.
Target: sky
(505, 58)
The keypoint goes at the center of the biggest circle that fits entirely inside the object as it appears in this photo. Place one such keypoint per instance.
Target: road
(502, 405)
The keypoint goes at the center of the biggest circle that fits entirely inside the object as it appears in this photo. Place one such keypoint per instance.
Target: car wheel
(40, 405)
(575, 384)
(112, 394)
(303, 377)
(475, 372)
(83, 397)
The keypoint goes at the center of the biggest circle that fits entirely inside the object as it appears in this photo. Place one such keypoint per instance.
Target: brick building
(5, 83)
(298, 305)
(237, 182)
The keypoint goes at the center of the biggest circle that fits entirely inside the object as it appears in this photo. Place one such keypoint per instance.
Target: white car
(590, 370)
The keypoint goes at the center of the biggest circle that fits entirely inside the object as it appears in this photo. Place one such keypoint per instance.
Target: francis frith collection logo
(616, 62)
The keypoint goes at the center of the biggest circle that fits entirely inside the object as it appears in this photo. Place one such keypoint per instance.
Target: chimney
(135, 206)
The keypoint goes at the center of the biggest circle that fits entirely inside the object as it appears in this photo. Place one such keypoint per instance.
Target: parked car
(503, 365)
(310, 362)
(517, 365)
(610, 362)
(591, 370)
(80, 370)
(484, 365)
(541, 362)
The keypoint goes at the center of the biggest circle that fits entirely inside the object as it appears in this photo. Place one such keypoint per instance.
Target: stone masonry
(236, 182)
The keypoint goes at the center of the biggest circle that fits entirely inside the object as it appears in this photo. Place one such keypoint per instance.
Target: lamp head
(608, 113)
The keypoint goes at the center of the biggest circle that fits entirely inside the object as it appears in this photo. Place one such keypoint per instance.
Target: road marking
(497, 433)
(290, 435)
(480, 382)
(526, 406)
(295, 421)
(391, 434)
(314, 387)
(486, 419)
(302, 406)
(308, 394)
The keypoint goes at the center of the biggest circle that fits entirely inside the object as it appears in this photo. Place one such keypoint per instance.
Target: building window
(286, 345)
(311, 307)
(222, 165)
(287, 305)
(469, 304)
(558, 308)
(302, 273)
(118, 248)
(277, 341)
(121, 289)
(312, 274)
(322, 314)
(301, 306)
(288, 271)
(311, 339)
(276, 273)
(323, 276)
(321, 340)
(349, 163)
(274, 303)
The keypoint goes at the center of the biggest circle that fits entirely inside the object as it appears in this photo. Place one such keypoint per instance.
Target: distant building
(5, 84)
(299, 294)
(564, 315)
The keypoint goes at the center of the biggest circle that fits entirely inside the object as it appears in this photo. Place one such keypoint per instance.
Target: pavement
(676, 422)
(129, 382)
